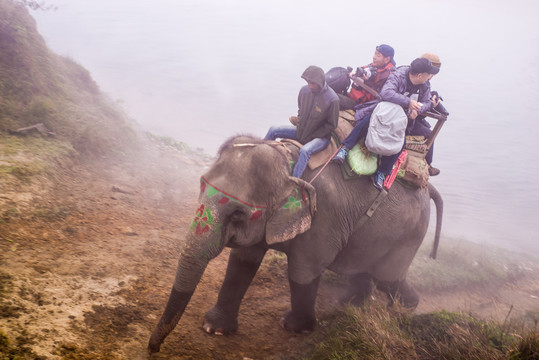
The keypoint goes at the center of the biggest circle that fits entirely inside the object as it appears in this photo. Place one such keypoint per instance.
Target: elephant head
(247, 197)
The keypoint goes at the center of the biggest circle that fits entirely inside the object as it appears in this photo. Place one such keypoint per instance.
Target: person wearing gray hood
(318, 115)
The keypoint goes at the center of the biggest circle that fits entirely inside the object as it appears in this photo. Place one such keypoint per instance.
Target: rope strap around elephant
(214, 189)
(326, 164)
(368, 214)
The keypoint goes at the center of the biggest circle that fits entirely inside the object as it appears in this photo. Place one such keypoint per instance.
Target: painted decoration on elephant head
(204, 219)
(294, 202)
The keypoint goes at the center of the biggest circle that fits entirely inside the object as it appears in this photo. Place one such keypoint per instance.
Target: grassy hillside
(38, 86)
(377, 332)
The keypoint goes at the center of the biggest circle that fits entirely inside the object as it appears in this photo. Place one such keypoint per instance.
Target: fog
(201, 71)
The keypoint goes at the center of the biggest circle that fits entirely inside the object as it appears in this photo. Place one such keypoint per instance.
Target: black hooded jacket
(318, 112)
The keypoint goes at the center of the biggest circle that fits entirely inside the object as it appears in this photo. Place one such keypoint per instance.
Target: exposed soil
(86, 270)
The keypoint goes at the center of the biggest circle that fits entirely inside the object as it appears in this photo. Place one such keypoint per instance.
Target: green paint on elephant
(203, 221)
(294, 203)
(212, 191)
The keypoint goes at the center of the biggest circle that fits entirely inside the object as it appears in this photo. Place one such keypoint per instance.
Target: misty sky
(201, 71)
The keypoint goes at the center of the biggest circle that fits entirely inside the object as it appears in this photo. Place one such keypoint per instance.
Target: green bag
(362, 161)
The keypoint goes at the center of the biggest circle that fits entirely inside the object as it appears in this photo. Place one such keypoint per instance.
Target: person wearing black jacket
(318, 115)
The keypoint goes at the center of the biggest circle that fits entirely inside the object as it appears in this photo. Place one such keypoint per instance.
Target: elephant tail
(438, 201)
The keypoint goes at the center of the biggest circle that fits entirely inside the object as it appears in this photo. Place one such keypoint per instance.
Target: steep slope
(38, 86)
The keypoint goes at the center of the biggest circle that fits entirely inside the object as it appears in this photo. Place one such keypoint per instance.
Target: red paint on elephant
(224, 200)
(256, 215)
(200, 210)
(199, 230)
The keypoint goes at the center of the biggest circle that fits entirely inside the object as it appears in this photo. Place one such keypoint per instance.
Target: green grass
(52, 213)
(379, 333)
(355, 334)
(462, 264)
(11, 146)
(17, 349)
(25, 157)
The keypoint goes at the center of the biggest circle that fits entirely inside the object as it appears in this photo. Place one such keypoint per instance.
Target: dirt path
(87, 275)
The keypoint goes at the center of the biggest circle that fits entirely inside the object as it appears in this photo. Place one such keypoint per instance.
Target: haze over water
(201, 71)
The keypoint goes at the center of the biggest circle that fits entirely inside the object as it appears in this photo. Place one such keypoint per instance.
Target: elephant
(250, 203)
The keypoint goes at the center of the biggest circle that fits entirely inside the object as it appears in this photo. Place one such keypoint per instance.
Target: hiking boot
(433, 171)
(378, 180)
(341, 155)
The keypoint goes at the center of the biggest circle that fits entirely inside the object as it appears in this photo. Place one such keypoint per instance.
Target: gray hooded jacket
(318, 112)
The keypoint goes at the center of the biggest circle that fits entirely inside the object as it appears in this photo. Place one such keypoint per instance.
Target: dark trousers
(421, 128)
(387, 162)
(359, 130)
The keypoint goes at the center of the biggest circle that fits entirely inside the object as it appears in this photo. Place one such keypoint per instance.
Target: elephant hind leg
(400, 291)
(360, 288)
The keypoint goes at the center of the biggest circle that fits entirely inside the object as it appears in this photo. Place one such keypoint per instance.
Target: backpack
(338, 79)
(386, 129)
(415, 169)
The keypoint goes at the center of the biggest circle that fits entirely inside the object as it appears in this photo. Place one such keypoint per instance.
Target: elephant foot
(409, 298)
(360, 288)
(402, 292)
(153, 348)
(302, 325)
(219, 323)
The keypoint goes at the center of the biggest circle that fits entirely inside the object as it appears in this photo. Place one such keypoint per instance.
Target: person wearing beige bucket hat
(420, 126)
(434, 59)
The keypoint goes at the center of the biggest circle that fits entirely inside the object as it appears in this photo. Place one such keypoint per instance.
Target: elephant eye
(237, 215)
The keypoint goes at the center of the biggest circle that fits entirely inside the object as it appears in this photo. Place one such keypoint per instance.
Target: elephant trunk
(193, 261)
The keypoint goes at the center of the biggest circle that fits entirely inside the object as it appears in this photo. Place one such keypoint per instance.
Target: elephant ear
(293, 215)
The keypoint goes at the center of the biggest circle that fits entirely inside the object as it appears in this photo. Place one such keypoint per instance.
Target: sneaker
(433, 171)
(378, 180)
(341, 155)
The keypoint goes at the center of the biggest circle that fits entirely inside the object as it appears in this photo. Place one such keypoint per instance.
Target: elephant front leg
(242, 266)
(302, 317)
